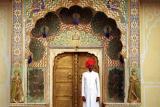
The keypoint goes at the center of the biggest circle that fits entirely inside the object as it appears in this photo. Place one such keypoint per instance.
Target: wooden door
(63, 81)
(68, 69)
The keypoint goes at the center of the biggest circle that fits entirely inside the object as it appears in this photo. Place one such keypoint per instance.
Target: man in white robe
(90, 86)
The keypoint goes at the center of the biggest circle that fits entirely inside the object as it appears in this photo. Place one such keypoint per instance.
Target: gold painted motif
(16, 88)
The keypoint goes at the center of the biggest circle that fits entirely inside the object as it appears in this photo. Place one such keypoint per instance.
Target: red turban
(90, 61)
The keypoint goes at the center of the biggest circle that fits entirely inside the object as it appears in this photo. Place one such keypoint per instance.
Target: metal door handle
(69, 76)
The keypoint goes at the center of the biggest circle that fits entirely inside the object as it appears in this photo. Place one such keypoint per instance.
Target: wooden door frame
(53, 52)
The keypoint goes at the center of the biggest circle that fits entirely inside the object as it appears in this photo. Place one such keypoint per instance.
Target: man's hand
(83, 98)
(97, 99)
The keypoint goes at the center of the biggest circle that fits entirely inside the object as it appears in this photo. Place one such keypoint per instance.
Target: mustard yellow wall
(5, 35)
(150, 52)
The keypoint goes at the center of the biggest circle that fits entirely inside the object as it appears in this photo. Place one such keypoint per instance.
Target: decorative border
(17, 37)
(134, 35)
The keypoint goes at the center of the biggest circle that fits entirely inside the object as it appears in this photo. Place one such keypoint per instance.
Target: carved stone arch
(98, 50)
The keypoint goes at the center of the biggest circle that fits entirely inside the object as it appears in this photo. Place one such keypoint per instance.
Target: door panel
(63, 75)
(63, 89)
(63, 81)
(64, 60)
(64, 102)
(68, 71)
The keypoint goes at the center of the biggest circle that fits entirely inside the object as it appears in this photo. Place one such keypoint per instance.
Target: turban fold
(90, 61)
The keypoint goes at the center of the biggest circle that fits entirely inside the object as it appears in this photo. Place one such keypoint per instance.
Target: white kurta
(90, 88)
